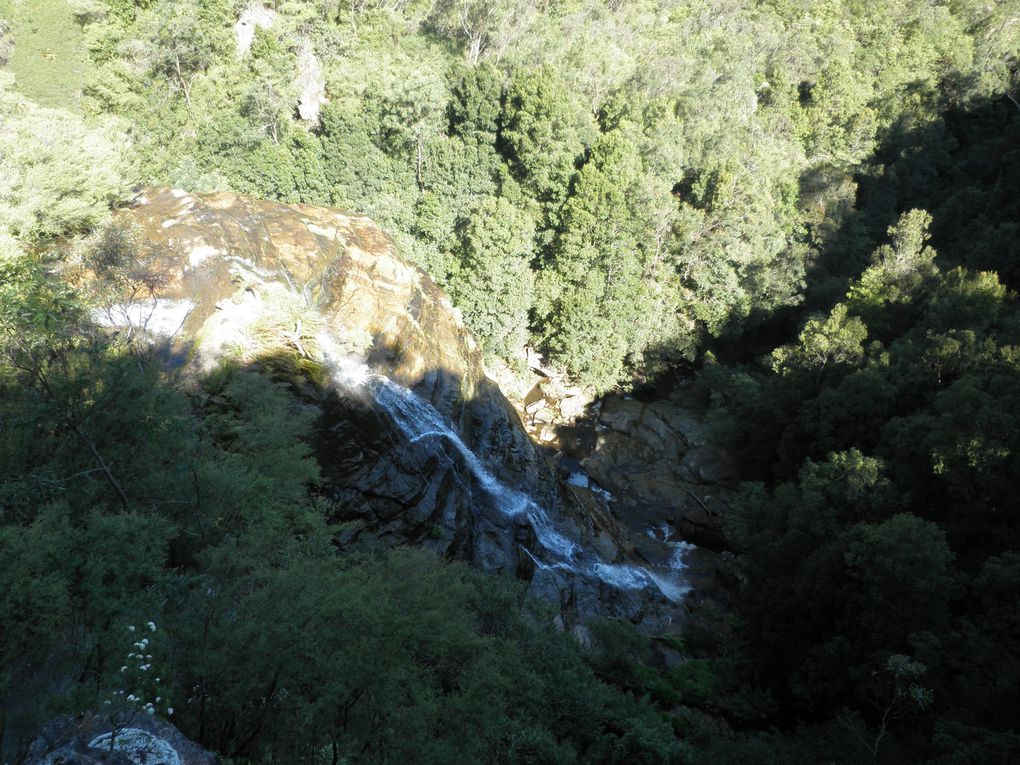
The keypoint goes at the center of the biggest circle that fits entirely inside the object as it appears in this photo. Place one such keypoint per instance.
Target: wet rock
(654, 457)
(708, 465)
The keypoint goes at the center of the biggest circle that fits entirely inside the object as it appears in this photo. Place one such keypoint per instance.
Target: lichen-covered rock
(140, 740)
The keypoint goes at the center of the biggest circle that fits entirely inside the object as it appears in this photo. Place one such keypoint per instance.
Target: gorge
(509, 382)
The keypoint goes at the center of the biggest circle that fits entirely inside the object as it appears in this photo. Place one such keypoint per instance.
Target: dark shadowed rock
(654, 457)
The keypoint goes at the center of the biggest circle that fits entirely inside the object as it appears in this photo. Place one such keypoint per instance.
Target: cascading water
(674, 587)
(421, 423)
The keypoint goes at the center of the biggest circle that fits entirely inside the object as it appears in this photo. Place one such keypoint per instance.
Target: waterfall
(675, 586)
(420, 422)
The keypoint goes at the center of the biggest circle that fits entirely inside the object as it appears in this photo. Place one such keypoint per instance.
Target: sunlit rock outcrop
(255, 16)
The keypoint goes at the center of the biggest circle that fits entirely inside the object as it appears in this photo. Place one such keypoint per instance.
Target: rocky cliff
(418, 445)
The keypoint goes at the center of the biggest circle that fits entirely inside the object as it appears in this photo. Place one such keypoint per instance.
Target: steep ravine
(418, 445)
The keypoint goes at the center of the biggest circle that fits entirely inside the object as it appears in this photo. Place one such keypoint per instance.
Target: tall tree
(595, 301)
(493, 283)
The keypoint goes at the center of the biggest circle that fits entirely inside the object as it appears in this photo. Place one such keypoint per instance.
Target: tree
(475, 104)
(826, 343)
(897, 273)
(902, 577)
(905, 695)
(269, 97)
(487, 27)
(838, 125)
(58, 173)
(593, 299)
(493, 284)
(181, 44)
(542, 134)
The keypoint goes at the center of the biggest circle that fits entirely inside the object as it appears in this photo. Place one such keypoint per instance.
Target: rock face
(255, 16)
(419, 446)
(649, 461)
(142, 740)
(311, 84)
(656, 458)
(651, 455)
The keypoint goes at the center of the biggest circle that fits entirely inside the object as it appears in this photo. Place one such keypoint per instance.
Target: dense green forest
(812, 208)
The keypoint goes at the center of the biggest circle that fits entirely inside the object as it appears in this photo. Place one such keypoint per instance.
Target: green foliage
(699, 175)
(58, 174)
(125, 501)
(43, 45)
(826, 343)
(861, 561)
(493, 283)
(899, 270)
(36, 603)
(542, 134)
(182, 42)
(901, 571)
(475, 104)
(589, 297)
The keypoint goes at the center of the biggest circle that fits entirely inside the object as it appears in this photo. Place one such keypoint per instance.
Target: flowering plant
(137, 688)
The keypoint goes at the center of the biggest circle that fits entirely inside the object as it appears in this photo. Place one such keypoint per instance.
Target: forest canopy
(676, 168)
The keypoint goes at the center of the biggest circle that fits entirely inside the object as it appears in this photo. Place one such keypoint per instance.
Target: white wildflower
(123, 669)
(131, 628)
(169, 710)
(152, 626)
(132, 697)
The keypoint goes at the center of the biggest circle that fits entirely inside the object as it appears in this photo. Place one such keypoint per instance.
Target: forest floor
(49, 58)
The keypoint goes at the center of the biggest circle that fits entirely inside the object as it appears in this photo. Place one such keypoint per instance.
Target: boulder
(138, 740)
